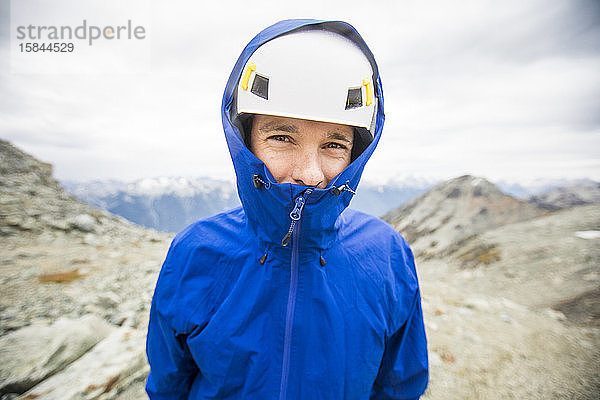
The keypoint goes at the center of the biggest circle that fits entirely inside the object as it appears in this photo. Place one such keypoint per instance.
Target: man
(292, 295)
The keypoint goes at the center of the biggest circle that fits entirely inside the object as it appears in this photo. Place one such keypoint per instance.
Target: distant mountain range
(169, 204)
(534, 187)
(165, 204)
(573, 195)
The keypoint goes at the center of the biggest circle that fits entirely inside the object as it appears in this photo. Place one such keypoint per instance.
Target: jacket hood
(268, 204)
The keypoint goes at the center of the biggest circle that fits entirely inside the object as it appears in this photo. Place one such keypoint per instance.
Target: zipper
(294, 233)
(295, 215)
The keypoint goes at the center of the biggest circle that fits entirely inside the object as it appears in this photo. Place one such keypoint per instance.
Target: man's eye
(335, 145)
(280, 138)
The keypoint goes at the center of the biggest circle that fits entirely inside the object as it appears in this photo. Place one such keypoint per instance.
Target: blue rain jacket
(336, 314)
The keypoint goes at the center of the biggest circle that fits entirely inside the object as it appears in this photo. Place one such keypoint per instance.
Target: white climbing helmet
(310, 74)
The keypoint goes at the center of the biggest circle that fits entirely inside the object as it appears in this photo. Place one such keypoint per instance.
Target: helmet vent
(260, 86)
(354, 99)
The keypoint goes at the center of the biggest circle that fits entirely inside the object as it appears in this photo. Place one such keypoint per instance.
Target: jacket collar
(268, 207)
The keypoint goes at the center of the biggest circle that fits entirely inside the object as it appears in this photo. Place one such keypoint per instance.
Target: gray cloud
(498, 88)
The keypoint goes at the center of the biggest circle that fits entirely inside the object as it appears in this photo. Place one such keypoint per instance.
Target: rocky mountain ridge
(454, 211)
(32, 201)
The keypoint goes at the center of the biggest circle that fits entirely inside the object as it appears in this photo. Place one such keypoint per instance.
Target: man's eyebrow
(278, 126)
(338, 136)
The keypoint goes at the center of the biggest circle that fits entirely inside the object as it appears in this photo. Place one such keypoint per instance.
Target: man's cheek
(279, 168)
(334, 165)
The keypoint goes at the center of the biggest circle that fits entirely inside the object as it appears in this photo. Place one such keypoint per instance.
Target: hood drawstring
(295, 215)
(337, 190)
(260, 182)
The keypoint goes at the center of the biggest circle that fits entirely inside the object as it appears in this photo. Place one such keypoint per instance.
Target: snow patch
(588, 234)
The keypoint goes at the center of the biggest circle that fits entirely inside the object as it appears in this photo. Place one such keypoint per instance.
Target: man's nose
(307, 170)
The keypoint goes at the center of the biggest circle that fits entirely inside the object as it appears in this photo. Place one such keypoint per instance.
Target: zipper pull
(298, 207)
(295, 215)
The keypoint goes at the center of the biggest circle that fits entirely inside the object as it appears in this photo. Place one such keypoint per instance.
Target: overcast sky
(500, 89)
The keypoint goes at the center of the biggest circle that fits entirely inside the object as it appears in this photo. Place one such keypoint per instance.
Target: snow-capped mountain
(166, 203)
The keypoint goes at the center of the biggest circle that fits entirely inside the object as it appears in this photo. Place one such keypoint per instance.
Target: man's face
(301, 151)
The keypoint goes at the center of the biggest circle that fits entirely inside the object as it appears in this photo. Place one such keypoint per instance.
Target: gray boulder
(35, 352)
(110, 367)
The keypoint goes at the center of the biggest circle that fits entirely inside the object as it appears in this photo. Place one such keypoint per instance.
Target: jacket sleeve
(404, 372)
(172, 368)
